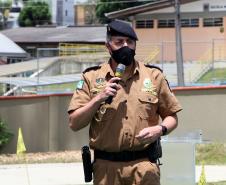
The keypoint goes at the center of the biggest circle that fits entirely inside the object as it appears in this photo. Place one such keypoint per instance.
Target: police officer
(122, 133)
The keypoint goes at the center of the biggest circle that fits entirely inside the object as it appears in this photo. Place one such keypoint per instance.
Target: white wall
(68, 19)
(215, 5)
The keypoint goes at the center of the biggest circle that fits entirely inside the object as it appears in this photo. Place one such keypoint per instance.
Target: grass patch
(63, 86)
(1, 89)
(47, 157)
(211, 154)
(213, 75)
(207, 154)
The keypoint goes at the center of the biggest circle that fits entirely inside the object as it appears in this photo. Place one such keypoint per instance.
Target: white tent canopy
(9, 49)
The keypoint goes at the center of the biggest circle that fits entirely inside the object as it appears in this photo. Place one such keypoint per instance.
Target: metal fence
(200, 58)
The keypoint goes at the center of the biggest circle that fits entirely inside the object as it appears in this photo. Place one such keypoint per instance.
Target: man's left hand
(149, 135)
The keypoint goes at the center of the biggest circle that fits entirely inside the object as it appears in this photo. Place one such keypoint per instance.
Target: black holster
(155, 150)
(87, 165)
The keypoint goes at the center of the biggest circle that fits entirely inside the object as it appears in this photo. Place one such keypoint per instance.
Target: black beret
(121, 28)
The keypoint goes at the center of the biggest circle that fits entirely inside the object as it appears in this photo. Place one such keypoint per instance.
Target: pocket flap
(147, 98)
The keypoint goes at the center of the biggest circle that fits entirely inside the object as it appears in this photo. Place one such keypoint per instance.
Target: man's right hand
(110, 89)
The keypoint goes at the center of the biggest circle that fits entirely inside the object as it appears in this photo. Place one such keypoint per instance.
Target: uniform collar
(136, 68)
(107, 70)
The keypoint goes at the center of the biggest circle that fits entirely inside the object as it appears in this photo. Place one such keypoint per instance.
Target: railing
(68, 49)
(199, 58)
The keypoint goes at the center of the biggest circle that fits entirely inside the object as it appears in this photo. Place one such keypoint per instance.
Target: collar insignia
(100, 83)
(100, 80)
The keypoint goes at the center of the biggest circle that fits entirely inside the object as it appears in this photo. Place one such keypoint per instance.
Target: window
(209, 22)
(15, 9)
(65, 12)
(206, 7)
(170, 23)
(144, 24)
(189, 22)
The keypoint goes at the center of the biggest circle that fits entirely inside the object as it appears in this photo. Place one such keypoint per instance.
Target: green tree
(5, 6)
(5, 134)
(34, 13)
(106, 6)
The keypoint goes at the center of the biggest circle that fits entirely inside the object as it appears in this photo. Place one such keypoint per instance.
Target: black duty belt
(123, 156)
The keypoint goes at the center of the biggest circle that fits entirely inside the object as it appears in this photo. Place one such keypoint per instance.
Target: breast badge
(100, 84)
(149, 87)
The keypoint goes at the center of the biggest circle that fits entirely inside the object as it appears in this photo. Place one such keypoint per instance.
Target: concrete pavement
(72, 174)
(213, 173)
(42, 174)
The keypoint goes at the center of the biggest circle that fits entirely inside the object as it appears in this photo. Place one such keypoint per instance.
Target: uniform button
(126, 117)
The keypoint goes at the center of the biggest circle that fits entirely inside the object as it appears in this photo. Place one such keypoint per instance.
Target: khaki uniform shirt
(143, 97)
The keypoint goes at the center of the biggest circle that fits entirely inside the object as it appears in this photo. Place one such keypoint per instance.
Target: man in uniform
(122, 132)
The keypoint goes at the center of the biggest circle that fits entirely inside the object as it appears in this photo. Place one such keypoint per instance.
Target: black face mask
(124, 55)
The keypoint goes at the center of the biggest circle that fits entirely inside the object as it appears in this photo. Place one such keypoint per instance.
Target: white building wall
(54, 10)
(63, 12)
(197, 6)
(68, 12)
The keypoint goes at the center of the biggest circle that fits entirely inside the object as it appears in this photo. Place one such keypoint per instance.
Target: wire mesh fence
(204, 63)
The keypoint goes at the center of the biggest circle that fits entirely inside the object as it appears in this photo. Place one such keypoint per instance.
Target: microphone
(120, 69)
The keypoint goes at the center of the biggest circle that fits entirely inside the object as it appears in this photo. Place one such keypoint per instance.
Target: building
(66, 12)
(10, 52)
(85, 14)
(203, 28)
(31, 38)
(12, 21)
(62, 12)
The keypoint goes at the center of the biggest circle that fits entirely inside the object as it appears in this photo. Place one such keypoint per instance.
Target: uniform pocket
(146, 111)
(147, 105)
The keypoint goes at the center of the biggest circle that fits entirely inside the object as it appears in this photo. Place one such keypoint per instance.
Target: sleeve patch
(80, 84)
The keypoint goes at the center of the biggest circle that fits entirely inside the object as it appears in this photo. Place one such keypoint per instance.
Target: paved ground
(42, 174)
(213, 173)
(72, 174)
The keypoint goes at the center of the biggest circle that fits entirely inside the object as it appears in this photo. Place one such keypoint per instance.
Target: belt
(123, 156)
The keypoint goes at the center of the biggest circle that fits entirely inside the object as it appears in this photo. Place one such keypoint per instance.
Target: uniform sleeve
(81, 96)
(168, 103)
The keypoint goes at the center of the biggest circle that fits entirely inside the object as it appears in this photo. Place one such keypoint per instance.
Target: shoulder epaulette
(153, 66)
(91, 68)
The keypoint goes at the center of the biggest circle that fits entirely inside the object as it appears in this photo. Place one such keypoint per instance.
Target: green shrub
(211, 153)
(5, 134)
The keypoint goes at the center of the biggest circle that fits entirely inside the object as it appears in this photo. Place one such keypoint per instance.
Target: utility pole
(179, 51)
